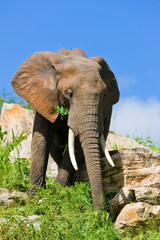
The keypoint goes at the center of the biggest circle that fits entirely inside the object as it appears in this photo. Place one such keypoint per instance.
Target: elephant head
(86, 86)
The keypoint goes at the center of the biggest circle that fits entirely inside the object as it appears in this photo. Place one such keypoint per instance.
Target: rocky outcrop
(17, 119)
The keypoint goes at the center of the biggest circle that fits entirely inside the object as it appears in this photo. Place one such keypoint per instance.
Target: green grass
(11, 174)
(66, 213)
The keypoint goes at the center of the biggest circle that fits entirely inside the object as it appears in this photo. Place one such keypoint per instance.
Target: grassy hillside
(65, 213)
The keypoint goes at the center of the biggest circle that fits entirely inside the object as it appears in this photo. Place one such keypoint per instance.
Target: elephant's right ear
(109, 79)
(36, 82)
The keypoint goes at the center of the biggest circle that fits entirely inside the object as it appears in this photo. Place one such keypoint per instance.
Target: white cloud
(137, 118)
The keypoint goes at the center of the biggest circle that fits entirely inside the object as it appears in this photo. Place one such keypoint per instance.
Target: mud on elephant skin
(85, 85)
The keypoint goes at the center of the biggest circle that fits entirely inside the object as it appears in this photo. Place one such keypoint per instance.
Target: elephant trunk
(89, 138)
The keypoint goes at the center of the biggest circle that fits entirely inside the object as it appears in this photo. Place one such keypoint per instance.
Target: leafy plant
(116, 147)
(2, 133)
(13, 175)
(148, 143)
(62, 111)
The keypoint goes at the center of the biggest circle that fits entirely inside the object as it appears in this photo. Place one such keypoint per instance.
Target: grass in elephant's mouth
(65, 213)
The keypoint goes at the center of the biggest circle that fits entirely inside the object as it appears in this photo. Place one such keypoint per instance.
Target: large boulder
(136, 215)
(15, 119)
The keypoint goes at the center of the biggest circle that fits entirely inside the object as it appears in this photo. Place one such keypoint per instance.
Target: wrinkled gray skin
(86, 86)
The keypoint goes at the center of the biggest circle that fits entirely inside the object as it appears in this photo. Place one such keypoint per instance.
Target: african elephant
(85, 85)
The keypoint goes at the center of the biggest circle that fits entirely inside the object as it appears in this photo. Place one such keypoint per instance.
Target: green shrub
(148, 143)
(13, 175)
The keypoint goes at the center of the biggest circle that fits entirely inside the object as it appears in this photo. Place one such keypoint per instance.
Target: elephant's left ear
(36, 82)
(109, 79)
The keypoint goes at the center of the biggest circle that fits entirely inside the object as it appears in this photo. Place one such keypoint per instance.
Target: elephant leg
(40, 146)
(65, 171)
(57, 147)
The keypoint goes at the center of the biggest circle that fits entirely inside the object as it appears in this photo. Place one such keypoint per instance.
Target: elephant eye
(69, 93)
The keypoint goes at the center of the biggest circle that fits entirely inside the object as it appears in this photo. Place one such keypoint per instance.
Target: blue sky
(126, 33)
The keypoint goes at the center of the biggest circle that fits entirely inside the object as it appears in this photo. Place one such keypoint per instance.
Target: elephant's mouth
(72, 154)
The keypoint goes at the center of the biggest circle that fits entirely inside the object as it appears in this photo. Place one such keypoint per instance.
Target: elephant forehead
(75, 64)
(78, 70)
(84, 63)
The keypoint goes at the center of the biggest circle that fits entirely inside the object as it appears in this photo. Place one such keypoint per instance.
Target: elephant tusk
(71, 149)
(104, 147)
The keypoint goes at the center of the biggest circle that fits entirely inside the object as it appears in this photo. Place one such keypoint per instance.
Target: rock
(34, 219)
(122, 198)
(130, 194)
(23, 150)
(16, 119)
(136, 214)
(4, 220)
(148, 194)
(8, 197)
(141, 167)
